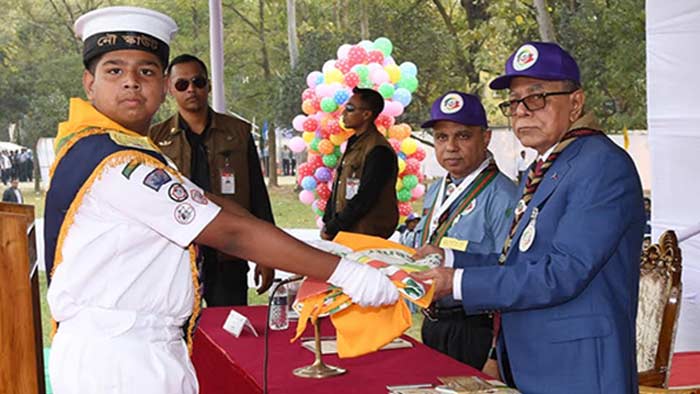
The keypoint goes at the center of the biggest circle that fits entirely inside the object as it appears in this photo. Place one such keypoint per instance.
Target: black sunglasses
(352, 108)
(182, 84)
(532, 102)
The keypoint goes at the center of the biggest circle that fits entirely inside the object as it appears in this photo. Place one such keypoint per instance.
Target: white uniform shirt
(127, 248)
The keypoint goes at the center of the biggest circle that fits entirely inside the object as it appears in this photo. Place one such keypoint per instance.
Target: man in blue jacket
(468, 210)
(565, 290)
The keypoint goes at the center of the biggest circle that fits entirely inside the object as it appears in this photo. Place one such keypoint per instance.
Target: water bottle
(279, 320)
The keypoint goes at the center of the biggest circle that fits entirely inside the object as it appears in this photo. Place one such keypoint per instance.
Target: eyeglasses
(351, 108)
(532, 102)
(182, 84)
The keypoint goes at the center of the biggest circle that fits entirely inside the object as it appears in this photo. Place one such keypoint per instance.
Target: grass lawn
(288, 212)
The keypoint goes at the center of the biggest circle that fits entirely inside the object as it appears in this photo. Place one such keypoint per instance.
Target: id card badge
(454, 244)
(228, 181)
(351, 187)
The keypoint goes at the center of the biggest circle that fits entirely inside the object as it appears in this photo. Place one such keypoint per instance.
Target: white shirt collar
(546, 154)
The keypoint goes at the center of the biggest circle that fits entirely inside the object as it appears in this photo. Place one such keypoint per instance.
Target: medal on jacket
(228, 179)
(528, 236)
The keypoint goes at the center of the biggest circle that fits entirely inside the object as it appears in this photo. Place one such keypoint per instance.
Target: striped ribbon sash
(534, 178)
(446, 220)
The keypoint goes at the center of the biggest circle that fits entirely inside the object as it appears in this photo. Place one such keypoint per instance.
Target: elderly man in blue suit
(565, 289)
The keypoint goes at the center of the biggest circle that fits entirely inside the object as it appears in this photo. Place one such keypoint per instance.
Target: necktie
(534, 178)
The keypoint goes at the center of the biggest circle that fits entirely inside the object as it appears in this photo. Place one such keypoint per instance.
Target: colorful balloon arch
(367, 65)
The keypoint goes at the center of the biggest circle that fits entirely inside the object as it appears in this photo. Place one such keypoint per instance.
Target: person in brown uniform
(217, 152)
(363, 199)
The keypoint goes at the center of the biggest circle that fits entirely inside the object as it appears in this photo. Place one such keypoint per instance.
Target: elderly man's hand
(442, 279)
(429, 249)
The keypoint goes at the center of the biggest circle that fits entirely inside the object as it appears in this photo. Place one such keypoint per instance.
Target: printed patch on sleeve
(177, 192)
(199, 197)
(184, 213)
(130, 167)
(156, 178)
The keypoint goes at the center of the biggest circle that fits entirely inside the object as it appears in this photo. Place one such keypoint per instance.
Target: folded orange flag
(362, 330)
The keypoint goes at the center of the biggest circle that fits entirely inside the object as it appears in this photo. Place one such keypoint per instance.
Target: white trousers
(101, 351)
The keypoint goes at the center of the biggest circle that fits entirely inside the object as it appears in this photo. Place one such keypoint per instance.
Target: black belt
(434, 312)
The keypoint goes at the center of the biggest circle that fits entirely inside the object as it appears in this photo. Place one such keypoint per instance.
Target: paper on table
(475, 385)
(329, 346)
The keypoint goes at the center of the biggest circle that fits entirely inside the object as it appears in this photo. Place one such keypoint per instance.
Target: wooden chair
(22, 362)
(660, 291)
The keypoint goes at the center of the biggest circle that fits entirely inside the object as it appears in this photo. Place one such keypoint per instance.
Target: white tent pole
(216, 51)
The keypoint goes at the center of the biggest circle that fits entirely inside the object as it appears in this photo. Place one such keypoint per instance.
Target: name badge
(351, 187)
(228, 182)
(236, 322)
(454, 244)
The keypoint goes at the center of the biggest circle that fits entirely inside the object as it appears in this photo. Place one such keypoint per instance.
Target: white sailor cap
(114, 28)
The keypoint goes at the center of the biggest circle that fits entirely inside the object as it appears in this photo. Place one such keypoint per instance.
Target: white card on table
(235, 322)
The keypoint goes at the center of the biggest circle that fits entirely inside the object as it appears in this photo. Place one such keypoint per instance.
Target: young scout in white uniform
(120, 224)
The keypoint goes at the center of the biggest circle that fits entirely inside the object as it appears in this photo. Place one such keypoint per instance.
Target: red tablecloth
(684, 370)
(226, 364)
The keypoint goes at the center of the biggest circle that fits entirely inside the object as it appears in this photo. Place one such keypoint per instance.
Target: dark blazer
(9, 195)
(569, 302)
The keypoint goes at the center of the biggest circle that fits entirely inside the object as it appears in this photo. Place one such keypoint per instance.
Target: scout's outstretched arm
(267, 273)
(254, 239)
(228, 205)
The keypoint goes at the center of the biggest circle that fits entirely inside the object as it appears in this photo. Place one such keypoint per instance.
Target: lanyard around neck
(442, 206)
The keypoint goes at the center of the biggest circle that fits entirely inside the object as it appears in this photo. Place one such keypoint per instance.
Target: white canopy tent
(10, 146)
(673, 84)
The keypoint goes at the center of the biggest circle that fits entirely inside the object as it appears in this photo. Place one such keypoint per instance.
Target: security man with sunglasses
(564, 289)
(216, 152)
(363, 198)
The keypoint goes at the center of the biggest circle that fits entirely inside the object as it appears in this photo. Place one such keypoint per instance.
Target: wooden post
(22, 361)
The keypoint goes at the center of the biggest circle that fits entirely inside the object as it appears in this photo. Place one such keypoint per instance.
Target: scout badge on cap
(539, 60)
(451, 103)
(115, 28)
(458, 107)
(525, 57)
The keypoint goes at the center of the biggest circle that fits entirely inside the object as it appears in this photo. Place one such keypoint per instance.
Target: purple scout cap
(412, 216)
(541, 60)
(458, 107)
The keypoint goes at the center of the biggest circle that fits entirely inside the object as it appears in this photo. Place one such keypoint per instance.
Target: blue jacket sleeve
(597, 209)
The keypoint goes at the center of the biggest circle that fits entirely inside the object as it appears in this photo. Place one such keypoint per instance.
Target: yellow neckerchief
(361, 330)
(83, 121)
(83, 115)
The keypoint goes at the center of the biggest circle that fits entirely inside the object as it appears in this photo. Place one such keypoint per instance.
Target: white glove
(366, 285)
